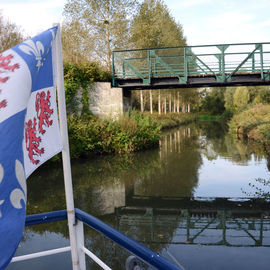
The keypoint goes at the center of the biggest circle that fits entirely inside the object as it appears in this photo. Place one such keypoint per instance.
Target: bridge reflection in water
(235, 222)
(158, 198)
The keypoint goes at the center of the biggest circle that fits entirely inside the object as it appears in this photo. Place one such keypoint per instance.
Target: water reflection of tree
(260, 189)
(109, 176)
(268, 161)
(180, 161)
(170, 171)
(216, 141)
(91, 178)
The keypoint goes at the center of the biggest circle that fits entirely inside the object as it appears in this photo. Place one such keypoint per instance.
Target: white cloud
(203, 21)
(227, 27)
(34, 17)
(230, 20)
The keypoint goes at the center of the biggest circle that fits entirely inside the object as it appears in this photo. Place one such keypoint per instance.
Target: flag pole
(65, 151)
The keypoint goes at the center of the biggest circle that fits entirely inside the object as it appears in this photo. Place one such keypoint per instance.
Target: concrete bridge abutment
(107, 101)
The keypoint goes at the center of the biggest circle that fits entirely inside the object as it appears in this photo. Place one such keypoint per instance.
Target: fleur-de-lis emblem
(19, 194)
(36, 49)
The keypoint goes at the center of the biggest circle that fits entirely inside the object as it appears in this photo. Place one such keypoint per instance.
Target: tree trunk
(178, 102)
(141, 94)
(188, 108)
(183, 108)
(151, 102)
(174, 102)
(159, 109)
(165, 106)
(170, 103)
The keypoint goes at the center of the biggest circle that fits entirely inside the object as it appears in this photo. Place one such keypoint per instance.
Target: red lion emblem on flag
(6, 66)
(32, 141)
(43, 110)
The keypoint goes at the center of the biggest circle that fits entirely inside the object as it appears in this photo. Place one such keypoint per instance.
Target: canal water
(200, 200)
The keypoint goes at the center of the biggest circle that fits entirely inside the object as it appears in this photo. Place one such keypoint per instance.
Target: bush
(88, 134)
(171, 120)
(79, 76)
(241, 97)
(253, 123)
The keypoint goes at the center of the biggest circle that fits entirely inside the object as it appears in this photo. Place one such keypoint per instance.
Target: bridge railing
(142, 253)
(220, 61)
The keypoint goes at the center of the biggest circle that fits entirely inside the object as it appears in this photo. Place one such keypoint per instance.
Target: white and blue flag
(29, 130)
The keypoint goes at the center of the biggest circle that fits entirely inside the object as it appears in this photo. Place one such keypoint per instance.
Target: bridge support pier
(106, 101)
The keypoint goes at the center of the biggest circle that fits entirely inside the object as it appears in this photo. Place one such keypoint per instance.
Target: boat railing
(134, 262)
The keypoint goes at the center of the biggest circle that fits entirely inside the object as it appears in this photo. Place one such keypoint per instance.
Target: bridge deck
(196, 66)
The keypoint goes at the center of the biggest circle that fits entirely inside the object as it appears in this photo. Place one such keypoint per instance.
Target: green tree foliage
(241, 97)
(189, 96)
(228, 98)
(93, 28)
(154, 27)
(76, 48)
(78, 76)
(213, 102)
(260, 94)
(10, 34)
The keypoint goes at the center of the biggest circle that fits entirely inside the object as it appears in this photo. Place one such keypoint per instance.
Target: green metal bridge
(193, 66)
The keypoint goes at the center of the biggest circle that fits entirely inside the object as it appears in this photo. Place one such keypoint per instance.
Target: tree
(99, 27)
(228, 98)
(74, 43)
(214, 101)
(154, 27)
(10, 34)
(259, 94)
(241, 97)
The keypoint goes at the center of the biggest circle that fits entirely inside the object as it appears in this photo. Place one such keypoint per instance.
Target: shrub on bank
(208, 117)
(79, 76)
(89, 134)
(253, 123)
(170, 120)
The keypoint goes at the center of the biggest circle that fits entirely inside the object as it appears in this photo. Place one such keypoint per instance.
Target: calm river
(198, 199)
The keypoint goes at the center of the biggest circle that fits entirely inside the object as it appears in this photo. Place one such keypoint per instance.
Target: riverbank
(89, 134)
(171, 120)
(130, 133)
(253, 123)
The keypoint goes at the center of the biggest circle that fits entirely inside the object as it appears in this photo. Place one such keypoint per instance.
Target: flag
(29, 129)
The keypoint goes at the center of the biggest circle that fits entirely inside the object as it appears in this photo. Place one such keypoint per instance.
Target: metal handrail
(140, 251)
(223, 62)
(194, 46)
(144, 253)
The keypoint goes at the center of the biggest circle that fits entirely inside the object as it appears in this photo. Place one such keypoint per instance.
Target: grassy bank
(89, 134)
(208, 117)
(171, 120)
(253, 123)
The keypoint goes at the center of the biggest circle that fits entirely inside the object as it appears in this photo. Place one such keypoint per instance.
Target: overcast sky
(203, 21)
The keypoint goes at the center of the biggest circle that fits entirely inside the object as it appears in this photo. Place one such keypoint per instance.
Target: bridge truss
(193, 66)
(201, 227)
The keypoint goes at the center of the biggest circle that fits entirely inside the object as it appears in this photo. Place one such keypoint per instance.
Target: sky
(203, 21)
